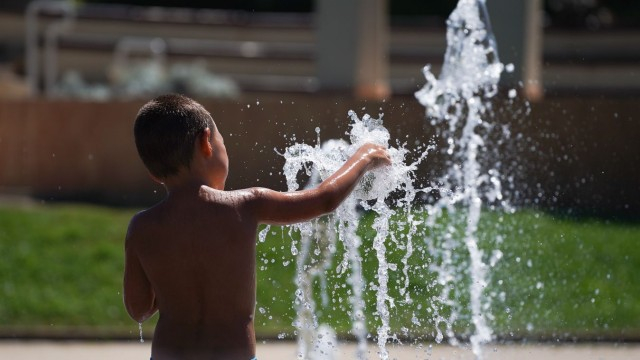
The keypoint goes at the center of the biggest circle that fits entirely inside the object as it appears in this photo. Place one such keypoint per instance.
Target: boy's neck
(187, 180)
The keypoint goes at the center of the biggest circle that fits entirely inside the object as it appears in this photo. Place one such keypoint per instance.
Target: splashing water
(459, 102)
(319, 162)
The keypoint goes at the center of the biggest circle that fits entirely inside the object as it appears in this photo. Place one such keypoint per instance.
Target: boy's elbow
(333, 198)
(140, 315)
(331, 203)
(139, 312)
(134, 312)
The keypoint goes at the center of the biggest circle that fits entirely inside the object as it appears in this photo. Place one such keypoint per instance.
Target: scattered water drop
(140, 331)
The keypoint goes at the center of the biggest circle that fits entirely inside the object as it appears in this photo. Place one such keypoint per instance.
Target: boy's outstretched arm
(273, 207)
(139, 298)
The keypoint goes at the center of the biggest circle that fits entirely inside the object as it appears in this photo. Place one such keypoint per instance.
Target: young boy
(192, 256)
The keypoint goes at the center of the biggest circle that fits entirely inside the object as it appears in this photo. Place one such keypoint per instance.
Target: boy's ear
(204, 142)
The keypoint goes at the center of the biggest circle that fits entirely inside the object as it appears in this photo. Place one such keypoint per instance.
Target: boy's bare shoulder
(139, 222)
(239, 197)
(145, 216)
(237, 201)
(247, 203)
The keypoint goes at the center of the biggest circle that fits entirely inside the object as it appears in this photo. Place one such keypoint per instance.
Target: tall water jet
(458, 104)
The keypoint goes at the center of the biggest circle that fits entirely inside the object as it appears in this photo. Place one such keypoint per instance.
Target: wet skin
(192, 257)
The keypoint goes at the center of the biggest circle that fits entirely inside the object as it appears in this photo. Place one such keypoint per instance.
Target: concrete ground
(74, 350)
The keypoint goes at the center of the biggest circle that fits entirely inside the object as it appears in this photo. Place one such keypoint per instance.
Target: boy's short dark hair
(165, 132)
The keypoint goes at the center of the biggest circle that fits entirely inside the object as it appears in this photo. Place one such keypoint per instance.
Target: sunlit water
(457, 105)
(318, 162)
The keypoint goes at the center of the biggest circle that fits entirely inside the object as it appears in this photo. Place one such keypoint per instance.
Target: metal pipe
(52, 34)
(31, 37)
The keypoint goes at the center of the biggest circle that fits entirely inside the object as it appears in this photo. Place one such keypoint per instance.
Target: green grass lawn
(62, 266)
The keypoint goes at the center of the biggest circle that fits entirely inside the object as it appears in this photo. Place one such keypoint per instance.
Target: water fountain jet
(458, 101)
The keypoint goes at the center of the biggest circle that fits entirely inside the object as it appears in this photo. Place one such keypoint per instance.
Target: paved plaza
(274, 350)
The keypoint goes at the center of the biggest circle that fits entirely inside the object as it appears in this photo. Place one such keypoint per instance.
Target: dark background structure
(577, 150)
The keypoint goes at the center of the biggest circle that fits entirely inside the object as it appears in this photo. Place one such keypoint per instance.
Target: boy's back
(198, 250)
(192, 257)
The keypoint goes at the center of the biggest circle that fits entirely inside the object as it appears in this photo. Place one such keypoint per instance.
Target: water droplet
(140, 331)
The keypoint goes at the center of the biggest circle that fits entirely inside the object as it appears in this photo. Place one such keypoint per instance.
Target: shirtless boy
(192, 256)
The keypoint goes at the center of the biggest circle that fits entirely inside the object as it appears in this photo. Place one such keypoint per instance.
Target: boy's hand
(377, 155)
